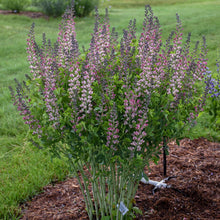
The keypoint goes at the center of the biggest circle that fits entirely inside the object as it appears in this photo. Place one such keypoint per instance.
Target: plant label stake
(122, 208)
(164, 161)
(165, 153)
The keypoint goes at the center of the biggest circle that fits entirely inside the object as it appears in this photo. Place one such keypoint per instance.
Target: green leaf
(106, 218)
(145, 176)
(177, 141)
(137, 210)
(156, 159)
(218, 121)
(81, 126)
(97, 109)
(166, 149)
(127, 141)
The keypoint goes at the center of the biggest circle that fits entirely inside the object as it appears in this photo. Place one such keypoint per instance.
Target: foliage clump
(53, 8)
(15, 5)
(56, 8)
(109, 109)
(213, 87)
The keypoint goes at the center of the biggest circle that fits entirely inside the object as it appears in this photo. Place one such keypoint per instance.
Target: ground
(195, 193)
(25, 13)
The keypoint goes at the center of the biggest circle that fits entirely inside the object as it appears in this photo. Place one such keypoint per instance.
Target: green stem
(132, 189)
(90, 204)
(121, 191)
(113, 187)
(103, 186)
(75, 170)
(95, 193)
(99, 195)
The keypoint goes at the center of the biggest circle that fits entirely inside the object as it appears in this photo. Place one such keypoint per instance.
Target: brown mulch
(25, 13)
(195, 193)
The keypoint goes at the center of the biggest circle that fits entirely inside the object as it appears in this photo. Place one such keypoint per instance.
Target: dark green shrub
(15, 5)
(53, 8)
(84, 7)
(56, 8)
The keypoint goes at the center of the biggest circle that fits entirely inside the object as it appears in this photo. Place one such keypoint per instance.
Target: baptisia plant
(109, 109)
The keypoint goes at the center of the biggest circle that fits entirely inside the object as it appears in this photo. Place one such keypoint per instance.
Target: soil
(195, 192)
(25, 13)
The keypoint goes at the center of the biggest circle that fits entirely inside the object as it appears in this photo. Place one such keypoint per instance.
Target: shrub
(56, 8)
(15, 5)
(53, 8)
(108, 110)
(84, 7)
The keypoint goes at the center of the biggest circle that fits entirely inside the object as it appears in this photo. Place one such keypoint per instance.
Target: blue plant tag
(122, 208)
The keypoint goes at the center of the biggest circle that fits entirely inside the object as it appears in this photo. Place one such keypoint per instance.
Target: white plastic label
(122, 208)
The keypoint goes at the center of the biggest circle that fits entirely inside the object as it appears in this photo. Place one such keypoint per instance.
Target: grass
(24, 170)
(141, 3)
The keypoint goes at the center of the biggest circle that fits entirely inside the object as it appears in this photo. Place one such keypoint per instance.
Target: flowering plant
(109, 109)
(213, 88)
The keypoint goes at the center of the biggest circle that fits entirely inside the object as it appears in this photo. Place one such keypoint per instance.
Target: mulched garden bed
(196, 163)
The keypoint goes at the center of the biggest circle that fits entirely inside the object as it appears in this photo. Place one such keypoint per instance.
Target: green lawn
(24, 170)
